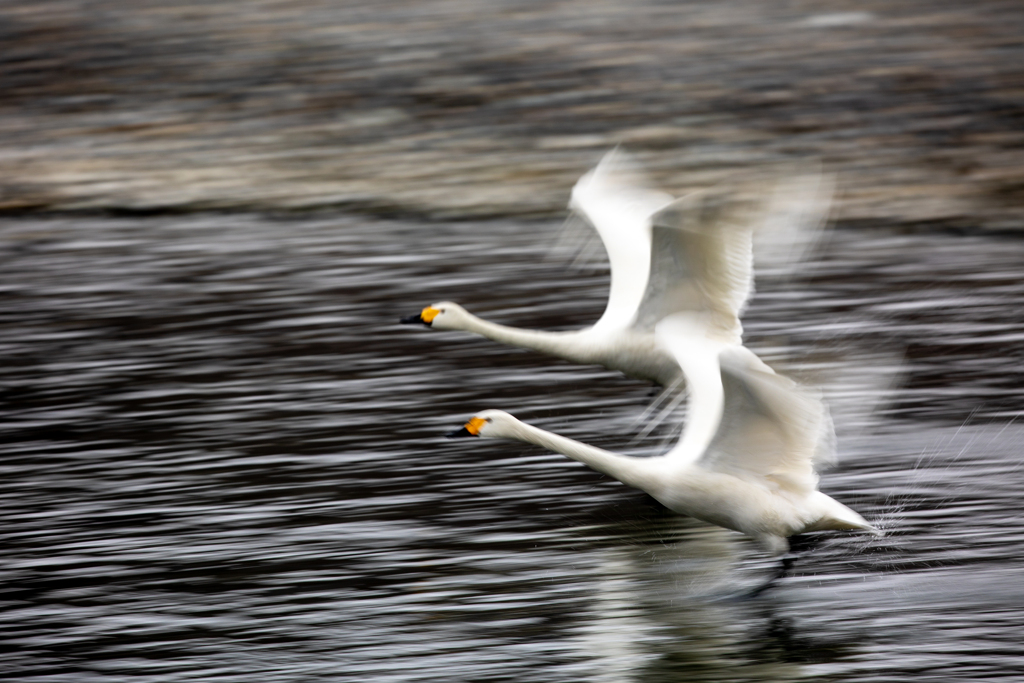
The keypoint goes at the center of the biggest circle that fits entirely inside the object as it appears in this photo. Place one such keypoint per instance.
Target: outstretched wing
(614, 200)
(771, 430)
(685, 337)
(701, 262)
(704, 247)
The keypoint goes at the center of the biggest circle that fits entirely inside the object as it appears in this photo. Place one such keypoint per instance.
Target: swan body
(667, 256)
(746, 458)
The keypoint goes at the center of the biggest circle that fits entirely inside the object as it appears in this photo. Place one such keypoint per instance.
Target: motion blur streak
(493, 108)
(224, 461)
(223, 457)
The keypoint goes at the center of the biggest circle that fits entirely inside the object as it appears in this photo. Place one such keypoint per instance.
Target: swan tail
(838, 517)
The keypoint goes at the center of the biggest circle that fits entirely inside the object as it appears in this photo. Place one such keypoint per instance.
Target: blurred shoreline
(467, 109)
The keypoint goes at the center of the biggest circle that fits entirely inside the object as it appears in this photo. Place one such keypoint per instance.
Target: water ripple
(223, 461)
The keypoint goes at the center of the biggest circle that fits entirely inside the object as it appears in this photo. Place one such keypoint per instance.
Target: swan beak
(425, 317)
(471, 428)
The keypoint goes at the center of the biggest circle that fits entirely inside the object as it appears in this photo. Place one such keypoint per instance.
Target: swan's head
(488, 424)
(441, 316)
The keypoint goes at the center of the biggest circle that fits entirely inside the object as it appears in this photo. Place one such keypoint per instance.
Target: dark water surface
(223, 462)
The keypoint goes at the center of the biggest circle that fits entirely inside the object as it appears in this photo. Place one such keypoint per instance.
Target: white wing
(685, 337)
(701, 262)
(772, 430)
(744, 420)
(704, 247)
(613, 199)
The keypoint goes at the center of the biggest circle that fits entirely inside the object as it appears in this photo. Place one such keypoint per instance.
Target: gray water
(223, 461)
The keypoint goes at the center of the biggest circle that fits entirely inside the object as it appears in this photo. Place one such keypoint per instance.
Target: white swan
(746, 458)
(667, 256)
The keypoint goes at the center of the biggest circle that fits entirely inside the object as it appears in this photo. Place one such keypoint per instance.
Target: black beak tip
(459, 433)
(413, 320)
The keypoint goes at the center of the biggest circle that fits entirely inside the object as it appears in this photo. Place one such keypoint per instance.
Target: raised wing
(685, 337)
(704, 247)
(701, 262)
(771, 431)
(614, 200)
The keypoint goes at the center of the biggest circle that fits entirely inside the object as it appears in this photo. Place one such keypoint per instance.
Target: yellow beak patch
(474, 425)
(429, 313)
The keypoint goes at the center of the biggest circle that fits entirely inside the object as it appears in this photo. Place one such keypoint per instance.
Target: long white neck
(571, 346)
(636, 472)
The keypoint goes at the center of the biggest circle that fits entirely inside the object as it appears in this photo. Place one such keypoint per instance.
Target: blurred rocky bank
(469, 108)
